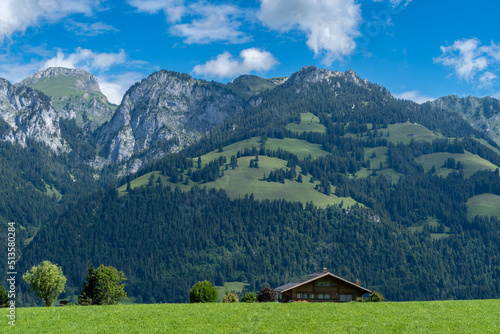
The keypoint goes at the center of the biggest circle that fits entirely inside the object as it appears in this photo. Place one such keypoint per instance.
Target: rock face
(313, 74)
(166, 106)
(482, 113)
(75, 93)
(26, 113)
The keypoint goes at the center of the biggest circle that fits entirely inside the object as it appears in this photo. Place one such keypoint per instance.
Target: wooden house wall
(339, 287)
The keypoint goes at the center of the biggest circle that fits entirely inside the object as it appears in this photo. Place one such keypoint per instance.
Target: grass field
(479, 316)
(472, 163)
(301, 148)
(483, 205)
(405, 132)
(308, 123)
(245, 180)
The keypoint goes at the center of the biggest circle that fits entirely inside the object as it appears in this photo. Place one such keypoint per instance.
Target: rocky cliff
(27, 113)
(165, 107)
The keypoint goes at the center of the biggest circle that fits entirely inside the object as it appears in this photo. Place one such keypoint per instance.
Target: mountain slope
(75, 93)
(482, 113)
(405, 168)
(169, 108)
(28, 114)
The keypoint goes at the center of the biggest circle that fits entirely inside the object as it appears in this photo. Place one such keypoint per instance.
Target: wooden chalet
(320, 287)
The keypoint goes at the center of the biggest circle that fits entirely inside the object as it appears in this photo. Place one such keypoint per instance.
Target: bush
(203, 292)
(249, 298)
(375, 297)
(230, 298)
(266, 295)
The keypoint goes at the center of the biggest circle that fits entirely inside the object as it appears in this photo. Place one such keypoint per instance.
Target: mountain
(162, 114)
(28, 114)
(323, 170)
(75, 94)
(482, 113)
(248, 85)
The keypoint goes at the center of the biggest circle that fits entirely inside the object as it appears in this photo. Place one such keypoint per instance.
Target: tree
(46, 280)
(230, 298)
(375, 297)
(250, 297)
(203, 292)
(4, 297)
(266, 295)
(103, 287)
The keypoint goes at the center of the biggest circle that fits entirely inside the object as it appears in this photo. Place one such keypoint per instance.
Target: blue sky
(418, 49)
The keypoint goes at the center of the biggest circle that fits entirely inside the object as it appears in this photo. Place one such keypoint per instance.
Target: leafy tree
(46, 280)
(203, 292)
(230, 298)
(4, 298)
(103, 287)
(266, 295)
(250, 297)
(375, 297)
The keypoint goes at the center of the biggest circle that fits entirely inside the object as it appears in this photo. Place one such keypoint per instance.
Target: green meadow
(483, 205)
(471, 162)
(475, 316)
(308, 123)
(244, 180)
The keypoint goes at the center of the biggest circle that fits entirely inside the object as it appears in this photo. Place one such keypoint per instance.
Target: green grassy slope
(308, 122)
(472, 163)
(245, 180)
(248, 85)
(483, 205)
(479, 316)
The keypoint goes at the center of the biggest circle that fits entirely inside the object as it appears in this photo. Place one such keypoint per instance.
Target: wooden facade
(320, 287)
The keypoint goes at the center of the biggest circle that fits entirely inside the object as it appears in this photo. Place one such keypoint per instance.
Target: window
(327, 296)
(311, 296)
(328, 284)
(321, 296)
(345, 298)
(304, 295)
(299, 295)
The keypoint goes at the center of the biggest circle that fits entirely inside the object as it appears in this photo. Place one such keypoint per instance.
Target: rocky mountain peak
(75, 94)
(166, 107)
(312, 74)
(84, 80)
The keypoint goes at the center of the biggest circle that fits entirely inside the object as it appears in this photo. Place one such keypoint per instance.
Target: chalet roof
(313, 277)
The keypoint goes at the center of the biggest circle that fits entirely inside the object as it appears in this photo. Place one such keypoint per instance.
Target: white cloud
(414, 96)
(87, 29)
(215, 23)
(116, 85)
(225, 66)
(465, 57)
(396, 3)
(486, 79)
(18, 15)
(206, 23)
(173, 9)
(330, 25)
(86, 59)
